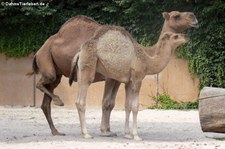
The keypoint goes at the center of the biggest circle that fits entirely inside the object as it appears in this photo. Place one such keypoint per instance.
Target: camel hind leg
(108, 103)
(86, 74)
(43, 63)
(46, 67)
(45, 81)
(46, 106)
(131, 104)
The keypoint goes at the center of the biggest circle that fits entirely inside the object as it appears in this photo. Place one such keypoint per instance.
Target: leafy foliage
(206, 50)
(165, 102)
(23, 29)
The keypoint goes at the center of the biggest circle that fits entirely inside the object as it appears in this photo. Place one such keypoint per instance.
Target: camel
(53, 60)
(176, 22)
(113, 53)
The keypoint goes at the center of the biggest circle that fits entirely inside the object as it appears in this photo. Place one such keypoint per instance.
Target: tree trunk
(212, 109)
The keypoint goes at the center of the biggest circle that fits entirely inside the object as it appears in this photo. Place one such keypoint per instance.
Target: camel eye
(177, 17)
(175, 37)
(192, 16)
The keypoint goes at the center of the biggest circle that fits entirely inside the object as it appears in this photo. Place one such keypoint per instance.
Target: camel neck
(166, 28)
(152, 51)
(157, 62)
(158, 55)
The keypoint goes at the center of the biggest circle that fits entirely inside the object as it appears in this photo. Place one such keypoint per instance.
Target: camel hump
(84, 18)
(105, 28)
(79, 18)
(115, 50)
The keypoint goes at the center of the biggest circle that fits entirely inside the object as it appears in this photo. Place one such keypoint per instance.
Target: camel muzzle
(194, 23)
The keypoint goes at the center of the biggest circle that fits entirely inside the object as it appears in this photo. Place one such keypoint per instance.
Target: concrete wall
(17, 89)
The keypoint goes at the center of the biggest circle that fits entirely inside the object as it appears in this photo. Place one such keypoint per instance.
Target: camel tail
(34, 67)
(74, 67)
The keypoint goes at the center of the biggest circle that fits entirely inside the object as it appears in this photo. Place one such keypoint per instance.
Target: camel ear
(166, 15)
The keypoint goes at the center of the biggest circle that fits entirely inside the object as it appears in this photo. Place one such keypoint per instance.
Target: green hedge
(24, 29)
(167, 103)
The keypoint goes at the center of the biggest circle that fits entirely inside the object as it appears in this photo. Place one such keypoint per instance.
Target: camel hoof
(128, 136)
(56, 133)
(87, 136)
(108, 134)
(57, 101)
(137, 138)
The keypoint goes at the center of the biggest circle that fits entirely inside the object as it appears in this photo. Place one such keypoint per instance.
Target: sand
(26, 127)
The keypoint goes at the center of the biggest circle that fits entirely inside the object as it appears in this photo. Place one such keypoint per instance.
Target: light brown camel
(175, 22)
(113, 53)
(54, 59)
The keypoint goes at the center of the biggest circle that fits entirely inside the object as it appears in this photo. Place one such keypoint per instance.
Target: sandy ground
(26, 127)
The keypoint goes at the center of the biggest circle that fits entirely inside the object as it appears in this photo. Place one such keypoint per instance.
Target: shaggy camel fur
(54, 59)
(113, 53)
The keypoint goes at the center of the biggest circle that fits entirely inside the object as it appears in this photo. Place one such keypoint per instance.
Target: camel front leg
(127, 135)
(85, 77)
(81, 107)
(86, 73)
(132, 104)
(135, 107)
(108, 103)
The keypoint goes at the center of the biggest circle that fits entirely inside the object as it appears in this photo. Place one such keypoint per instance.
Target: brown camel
(54, 59)
(113, 53)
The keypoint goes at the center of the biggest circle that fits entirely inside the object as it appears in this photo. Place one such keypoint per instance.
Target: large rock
(212, 109)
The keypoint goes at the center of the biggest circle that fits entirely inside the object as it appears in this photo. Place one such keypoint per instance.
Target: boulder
(212, 109)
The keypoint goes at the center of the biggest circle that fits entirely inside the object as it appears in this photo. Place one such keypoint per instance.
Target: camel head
(180, 21)
(172, 40)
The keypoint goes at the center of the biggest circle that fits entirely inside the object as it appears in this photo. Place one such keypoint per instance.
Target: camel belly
(113, 73)
(115, 52)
